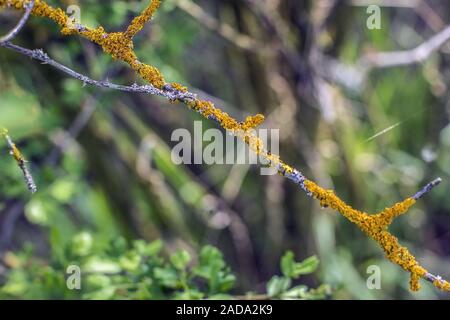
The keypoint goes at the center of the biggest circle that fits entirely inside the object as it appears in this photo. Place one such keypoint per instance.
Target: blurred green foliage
(80, 270)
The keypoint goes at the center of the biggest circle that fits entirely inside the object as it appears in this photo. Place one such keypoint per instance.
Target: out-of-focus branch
(386, 3)
(269, 13)
(353, 76)
(279, 29)
(63, 142)
(406, 57)
(422, 9)
(227, 32)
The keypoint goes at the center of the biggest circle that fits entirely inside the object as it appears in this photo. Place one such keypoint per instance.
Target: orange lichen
(375, 226)
(414, 283)
(253, 141)
(251, 122)
(179, 87)
(209, 111)
(138, 22)
(117, 44)
(442, 284)
(152, 75)
(120, 46)
(17, 155)
(14, 151)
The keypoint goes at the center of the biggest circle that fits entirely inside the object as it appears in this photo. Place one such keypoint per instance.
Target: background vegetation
(101, 159)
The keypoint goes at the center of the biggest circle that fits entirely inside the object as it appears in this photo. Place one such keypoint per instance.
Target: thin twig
(21, 162)
(40, 55)
(429, 276)
(69, 136)
(427, 188)
(11, 34)
(433, 279)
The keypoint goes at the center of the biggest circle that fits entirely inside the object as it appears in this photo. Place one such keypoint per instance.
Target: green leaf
(307, 266)
(148, 249)
(212, 267)
(226, 281)
(191, 294)
(118, 246)
(277, 285)
(102, 294)
(288, 264)
(318, 293)
(82, 243)
(63, 190)
(36, 212)
(167, 276)
(98, 281)
(293, 269)
(180, 259)
(220, 296)
(97, 265)
(17, 284)
(130, 261)
(210, 255)
(297, 292)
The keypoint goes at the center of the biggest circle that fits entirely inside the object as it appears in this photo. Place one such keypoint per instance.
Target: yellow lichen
(14, 151)
(252, 122)
(117, 44)
(414, 283)
(17, 155)
(442, 284)
(138, 22)
(179, 87)
(375, 226)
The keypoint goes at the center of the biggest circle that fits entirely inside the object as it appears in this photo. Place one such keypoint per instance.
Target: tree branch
(427, 188)
(406, 57)
(11, 34)
(21, 162)
(226, 31)
(353, 77)
(43, 57)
